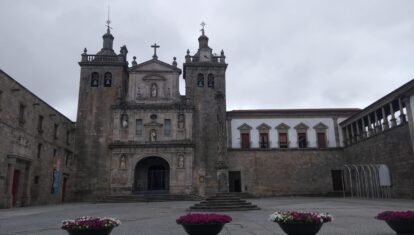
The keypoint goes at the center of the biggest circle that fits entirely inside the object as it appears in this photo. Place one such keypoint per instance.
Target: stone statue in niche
(181, 161)
(181, 121)
(154, 90)
(124, 120)
(122, 162)
(138, 93)
(153, 135)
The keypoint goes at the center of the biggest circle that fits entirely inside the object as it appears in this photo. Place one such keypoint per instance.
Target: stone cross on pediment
(155, 46)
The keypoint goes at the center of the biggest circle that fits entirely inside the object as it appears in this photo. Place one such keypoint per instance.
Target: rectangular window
(36, 179)
(138, 128)
(67, 158)
(1, 99)
(167, 127)
(54, 153)
(302, 141)
(67, 137)
(55, 131)
(40, 124)
(245, 140)
(264, 140)
(283, 140)
(22, 109)
(39, 150)
(321, 139)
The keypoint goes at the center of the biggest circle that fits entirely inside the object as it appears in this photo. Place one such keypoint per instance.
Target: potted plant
(402, 222)
(203, 224)
(300, 223)
(87, 225)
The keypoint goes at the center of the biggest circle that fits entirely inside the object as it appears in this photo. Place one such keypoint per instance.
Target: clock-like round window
(153, 116)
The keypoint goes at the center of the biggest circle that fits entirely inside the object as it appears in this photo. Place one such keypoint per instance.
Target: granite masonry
(136, 134)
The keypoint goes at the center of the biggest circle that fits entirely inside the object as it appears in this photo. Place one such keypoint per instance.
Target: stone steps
(224, 202)
(148, 198)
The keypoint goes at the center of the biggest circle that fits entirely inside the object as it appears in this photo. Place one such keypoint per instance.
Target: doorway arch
(152, 174)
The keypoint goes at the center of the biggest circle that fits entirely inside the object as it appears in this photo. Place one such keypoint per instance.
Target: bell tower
(103, 82)
(205, 79)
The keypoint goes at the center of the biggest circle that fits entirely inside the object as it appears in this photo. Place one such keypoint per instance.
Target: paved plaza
(351, 216)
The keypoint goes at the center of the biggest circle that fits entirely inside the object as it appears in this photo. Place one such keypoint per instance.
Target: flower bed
(395, 215)
(298, 217)
(87, 222)
(203, 219)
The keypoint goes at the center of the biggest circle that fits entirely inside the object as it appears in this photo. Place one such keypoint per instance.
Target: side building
(286, 151)
(37, 150)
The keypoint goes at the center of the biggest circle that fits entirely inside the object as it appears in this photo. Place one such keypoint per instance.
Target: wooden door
(321, 140)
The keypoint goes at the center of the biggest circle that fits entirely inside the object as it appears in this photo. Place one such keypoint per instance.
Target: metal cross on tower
(108, 21)
(202, 25)
(155, 46)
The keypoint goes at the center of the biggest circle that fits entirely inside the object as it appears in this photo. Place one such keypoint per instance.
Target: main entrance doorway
(152, 174)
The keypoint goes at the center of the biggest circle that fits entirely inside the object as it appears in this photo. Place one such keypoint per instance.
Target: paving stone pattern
(351, 216)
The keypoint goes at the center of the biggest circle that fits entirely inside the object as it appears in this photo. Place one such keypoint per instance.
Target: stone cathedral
(135, 131)
(136, 134)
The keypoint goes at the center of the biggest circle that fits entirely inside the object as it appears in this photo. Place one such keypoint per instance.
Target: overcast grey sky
(281, 54)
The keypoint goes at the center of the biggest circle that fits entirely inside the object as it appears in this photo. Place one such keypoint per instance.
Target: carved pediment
(244, 127)
(154, 65)
(301, 126)
(282, 126)
(263, 127)
(320, 126)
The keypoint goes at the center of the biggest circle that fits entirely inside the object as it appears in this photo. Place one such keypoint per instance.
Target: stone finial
(188, 57)
(134, 62)
(222, 57)
(85, 51)
(174, 63)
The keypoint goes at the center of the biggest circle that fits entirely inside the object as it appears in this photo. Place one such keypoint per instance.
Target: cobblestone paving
(351, 216)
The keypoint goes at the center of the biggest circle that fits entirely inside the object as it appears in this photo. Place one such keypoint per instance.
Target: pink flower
(203, 219)
(395, 215)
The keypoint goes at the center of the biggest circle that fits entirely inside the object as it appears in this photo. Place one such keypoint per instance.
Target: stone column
(336, 130)
(377, 127)
(407, 103)
(353, 139)
(384, 117)
(346, 136)
(358, 133)
(364, 133)
(402, 115)
(370, 130)
(393, 119)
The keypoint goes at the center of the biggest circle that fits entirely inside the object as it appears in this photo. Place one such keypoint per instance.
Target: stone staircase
(225, 202)
(148, 197)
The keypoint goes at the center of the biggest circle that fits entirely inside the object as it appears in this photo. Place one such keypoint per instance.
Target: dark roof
(292, 112)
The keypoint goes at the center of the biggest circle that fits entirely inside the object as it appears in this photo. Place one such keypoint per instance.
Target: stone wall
(286, 172)
(21, 136)
(393, 148)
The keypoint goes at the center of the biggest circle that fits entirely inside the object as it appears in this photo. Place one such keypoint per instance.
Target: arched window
(200, 80)
(108, 79)
(94, 79)
(210, 80)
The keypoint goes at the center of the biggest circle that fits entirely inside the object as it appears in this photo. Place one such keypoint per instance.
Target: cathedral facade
(136, 134)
